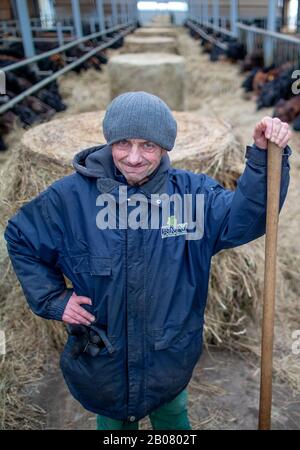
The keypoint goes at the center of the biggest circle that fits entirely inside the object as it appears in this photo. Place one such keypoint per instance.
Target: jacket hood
(97, 162)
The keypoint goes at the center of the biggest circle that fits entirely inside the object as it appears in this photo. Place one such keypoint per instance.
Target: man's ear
(164, 152)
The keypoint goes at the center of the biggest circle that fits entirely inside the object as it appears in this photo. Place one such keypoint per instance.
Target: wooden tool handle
(273, 196)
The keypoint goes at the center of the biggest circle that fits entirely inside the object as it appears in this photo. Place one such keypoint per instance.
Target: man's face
(136, 158)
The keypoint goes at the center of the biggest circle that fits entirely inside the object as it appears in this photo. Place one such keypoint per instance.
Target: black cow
(2, 144)
(296, 124)
(52, 100)
(273, 91)
(248, 82)
(27, 116)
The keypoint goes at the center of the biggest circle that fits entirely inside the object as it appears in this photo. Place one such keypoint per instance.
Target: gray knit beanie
(140, 115)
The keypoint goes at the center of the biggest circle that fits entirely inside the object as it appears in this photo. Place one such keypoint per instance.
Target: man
(135, 313)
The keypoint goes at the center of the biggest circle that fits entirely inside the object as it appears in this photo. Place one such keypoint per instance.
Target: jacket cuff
(56, 307)
(259, 156)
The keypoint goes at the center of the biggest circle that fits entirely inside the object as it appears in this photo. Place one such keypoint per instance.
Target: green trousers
(170, 416)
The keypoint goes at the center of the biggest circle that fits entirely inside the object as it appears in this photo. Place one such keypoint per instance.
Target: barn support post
(92, 25)
(199, 11)
(60, 34)
(100, 13)
(205, 11)
(129, 10)
(191, 3)
(216, 12)
(25, 26)
(135, 10)
(271, 26)
(250, 41)
(126, 10)
(114, 12)
(196, 10)
(188, 9)
(77, 18)
(123, 11)
(234, 16)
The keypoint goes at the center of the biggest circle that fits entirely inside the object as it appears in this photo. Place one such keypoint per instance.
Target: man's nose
(134, 156)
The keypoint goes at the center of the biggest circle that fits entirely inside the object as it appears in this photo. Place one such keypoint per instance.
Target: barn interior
(221, 66)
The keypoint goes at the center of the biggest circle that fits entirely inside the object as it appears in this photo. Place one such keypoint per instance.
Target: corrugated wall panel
(87, 8)
(247, 8)
(254, 8)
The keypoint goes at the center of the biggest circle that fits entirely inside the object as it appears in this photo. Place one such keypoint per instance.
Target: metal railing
(278, 48)
(196, 26)
(62, 48)
(215, 28)
(59, 27)
(108, 42)
(222, 29)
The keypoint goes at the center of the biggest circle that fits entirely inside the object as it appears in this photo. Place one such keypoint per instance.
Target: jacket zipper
(126, 318)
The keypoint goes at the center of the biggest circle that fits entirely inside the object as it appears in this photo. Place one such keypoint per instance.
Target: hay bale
(140, 44)
(155, 31)
(29, 340)
(45, 153)
(202, 145)
(161, 74)
(161, 20)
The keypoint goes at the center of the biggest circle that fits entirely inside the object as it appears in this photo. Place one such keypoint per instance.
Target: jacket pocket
(174, 353)
(182, 337)
(94, 265)
(99, 382)
(92, 276)
(165, 337)
(107, 349)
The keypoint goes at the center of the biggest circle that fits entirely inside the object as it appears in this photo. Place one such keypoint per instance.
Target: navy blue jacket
(148, 291)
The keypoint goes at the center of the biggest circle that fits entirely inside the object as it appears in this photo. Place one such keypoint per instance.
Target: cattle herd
(268, 86)
(44, 103)
(273, 86)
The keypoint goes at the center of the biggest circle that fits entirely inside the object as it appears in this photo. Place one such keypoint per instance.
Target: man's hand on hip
(272, 129)
(75, 314)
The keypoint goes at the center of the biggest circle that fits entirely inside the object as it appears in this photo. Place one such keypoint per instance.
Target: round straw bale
(162, 20)
(47, 150)
(140, 44)
(155, 31)
(161, 74)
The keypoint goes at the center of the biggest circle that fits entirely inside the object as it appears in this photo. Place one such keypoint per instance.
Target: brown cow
(262, 78)
(39, 107)
(252, 61)
(288, 110)
(7, 122)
